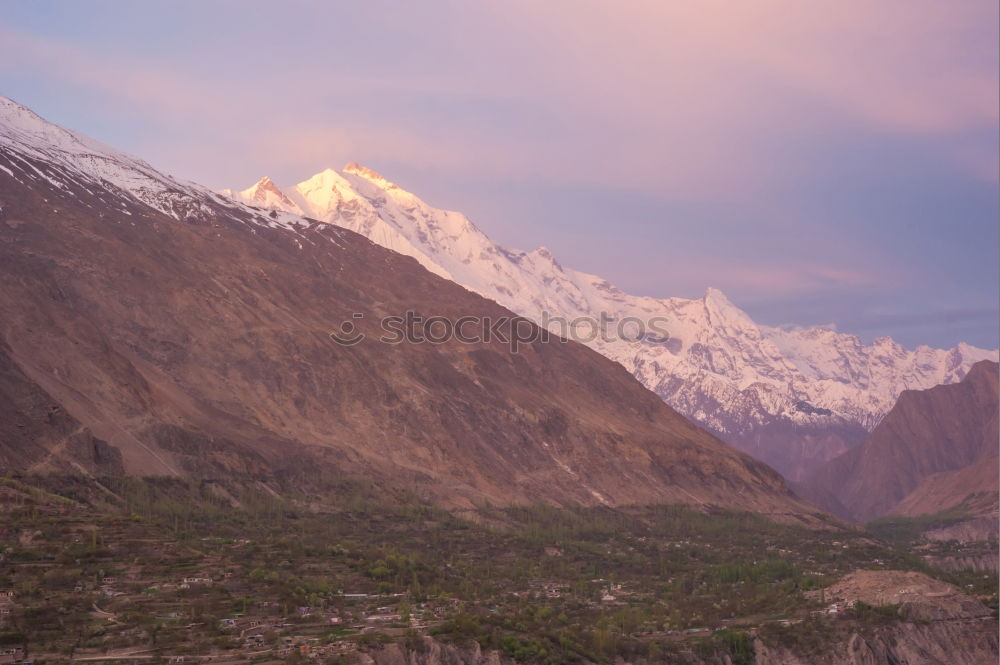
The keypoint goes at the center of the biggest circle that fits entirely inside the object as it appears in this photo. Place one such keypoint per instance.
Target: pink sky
(778, 150)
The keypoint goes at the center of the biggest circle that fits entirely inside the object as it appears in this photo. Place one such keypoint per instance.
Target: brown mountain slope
(201, 347)
(944, 429)
(973, 489)
(36, 431)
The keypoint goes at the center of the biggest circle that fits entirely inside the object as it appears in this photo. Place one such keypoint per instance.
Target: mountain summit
(368, 174)
(794, 398)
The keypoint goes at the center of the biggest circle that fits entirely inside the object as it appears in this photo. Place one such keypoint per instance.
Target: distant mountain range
(794, 398)
(150, 326)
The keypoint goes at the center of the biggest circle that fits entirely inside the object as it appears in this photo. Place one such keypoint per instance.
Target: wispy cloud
(949, 316)
(690, 100)
(777, 280)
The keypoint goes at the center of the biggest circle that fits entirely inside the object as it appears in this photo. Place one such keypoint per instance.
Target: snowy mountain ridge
(718, 367)
(43, 151)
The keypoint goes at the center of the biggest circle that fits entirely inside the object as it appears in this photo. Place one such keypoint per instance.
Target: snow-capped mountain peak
(725, 312)
(43, 152)
(266, 194)
(370, 175)
(717, 297)
(718, 366)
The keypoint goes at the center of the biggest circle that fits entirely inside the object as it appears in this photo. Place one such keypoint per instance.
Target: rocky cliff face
(961, 642)
(940, 626)
(151, 325)
(933, 452)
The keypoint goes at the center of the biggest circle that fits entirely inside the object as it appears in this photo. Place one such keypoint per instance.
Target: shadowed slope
(929, 432)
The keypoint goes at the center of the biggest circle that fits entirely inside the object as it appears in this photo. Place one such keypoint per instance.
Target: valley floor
(156, 570)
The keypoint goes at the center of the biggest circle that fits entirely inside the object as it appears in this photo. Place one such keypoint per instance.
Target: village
(263, 631)
(81, 581)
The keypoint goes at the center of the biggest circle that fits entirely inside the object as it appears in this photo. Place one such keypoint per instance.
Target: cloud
(156, 89)
(304, 134)
(685, 100)
(726, 90)
(776, 280)
(907, 65)
(777, 148)
(948, 316)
